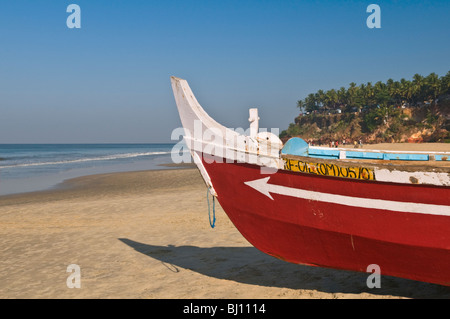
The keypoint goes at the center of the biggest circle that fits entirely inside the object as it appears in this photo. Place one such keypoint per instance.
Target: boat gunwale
(397, 165)
(361, 150)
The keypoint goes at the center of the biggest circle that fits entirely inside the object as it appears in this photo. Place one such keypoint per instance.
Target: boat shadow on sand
(248, 265)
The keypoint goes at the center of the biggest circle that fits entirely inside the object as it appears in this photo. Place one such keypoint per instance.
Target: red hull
(403, 244)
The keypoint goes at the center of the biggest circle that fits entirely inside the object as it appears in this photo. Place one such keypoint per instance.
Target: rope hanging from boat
(213, 222)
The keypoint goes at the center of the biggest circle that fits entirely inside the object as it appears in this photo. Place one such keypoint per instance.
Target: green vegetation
(392, 93)
(375, 112)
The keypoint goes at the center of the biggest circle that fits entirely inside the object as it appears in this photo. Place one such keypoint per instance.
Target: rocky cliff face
(424, 123)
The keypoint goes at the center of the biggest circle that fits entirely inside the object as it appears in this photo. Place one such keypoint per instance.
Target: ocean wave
(88, 159)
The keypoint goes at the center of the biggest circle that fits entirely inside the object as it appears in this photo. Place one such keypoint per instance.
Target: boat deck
(391, 164)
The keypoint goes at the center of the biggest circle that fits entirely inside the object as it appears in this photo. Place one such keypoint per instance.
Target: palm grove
(376, 102)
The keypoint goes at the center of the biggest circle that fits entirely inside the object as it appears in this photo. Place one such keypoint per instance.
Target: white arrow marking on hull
(262, 186)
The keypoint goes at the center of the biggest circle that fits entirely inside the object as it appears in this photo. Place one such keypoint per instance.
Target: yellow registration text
(329, 169)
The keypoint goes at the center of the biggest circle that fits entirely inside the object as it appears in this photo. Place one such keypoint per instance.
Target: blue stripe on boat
(297, 146)
(330, 153)
(323, 152)
(441, 157)
(364, 155)
(322, 156)
(405, 157)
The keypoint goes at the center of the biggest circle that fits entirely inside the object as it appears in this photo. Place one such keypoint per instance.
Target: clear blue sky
(110, 80)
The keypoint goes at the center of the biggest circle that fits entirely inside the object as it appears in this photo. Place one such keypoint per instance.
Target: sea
(33, 167)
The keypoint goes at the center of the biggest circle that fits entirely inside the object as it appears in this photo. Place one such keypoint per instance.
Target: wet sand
(147, 235)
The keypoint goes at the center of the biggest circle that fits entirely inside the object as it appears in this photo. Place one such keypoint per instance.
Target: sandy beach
(147, 235)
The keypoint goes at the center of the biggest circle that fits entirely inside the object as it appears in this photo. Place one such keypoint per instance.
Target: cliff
(428, 122)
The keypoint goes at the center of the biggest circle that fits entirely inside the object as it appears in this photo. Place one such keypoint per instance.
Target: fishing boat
(339, 208)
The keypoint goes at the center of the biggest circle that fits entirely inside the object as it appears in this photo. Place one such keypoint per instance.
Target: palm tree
(433, 86)
(301, 105)
(342, 96)
(386, 95)
(445, 83)
(369, 94)
(352, 93)
(406, 90)
(310, 102)
(361, 97)
(389, 83)
(321, 98)
(418, 86)
(393, 89)
(381, 94)
(331, 98)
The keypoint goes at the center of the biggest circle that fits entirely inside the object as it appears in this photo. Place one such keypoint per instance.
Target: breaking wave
(87, 159)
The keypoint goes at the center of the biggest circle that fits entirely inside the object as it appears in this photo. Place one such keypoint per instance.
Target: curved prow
(190, 111)
(195, 122)
(203, 135)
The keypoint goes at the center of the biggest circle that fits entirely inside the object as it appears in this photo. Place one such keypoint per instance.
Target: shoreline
(146, 234)
(66, 184)
(420, 147)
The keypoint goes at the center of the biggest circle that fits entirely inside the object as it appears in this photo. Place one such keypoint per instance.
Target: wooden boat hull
(340, 209)
(409, 245)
